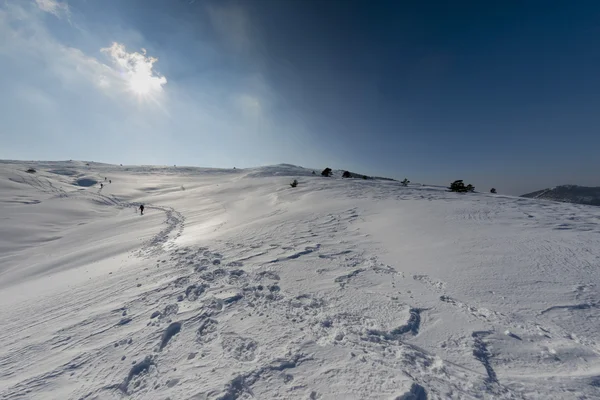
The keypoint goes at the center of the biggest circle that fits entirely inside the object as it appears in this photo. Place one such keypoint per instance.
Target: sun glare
(140, 85)
(136, 70)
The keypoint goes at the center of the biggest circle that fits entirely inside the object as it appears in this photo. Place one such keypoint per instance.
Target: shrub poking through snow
(326, 172)
(459, 186)
(405, 182)
(314, 173)
(493, 190)
(346, 174)
(294, 183)
(31, 171)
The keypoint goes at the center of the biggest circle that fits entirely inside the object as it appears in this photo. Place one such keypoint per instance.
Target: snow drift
(234, 285)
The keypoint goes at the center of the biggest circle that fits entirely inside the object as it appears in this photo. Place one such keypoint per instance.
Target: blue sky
(501, 94)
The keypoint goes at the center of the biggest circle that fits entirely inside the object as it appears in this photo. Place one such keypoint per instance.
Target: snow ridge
(235, 286)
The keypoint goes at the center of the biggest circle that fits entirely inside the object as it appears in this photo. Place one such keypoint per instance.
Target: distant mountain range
(569, 194)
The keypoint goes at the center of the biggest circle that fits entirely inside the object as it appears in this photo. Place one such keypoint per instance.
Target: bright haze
(501, 95)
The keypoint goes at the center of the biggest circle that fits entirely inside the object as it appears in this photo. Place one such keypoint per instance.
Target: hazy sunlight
(136, 69)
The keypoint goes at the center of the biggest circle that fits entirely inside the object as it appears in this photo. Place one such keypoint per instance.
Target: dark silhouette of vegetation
(326, 172)
(459, 186)
(405, 182)
(346, 174)
(31, 171)
(493, 191)
(294, 183)
(314, 173)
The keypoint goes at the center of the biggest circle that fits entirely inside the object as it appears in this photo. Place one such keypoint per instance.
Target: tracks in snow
(257, 318)
(194, 323)
(175, 225)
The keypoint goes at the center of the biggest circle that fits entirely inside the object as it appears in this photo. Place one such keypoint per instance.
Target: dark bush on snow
(459, 186)
(405, 182)
(31, 171)
(493, 190)
(294, 183)
(346, 174)
(326, 172)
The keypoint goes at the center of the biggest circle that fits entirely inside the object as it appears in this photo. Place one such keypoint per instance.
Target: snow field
(235, 286)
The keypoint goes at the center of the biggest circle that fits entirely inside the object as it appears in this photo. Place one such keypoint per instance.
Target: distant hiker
(104, 179)
(109, 181)
(101, 185)
(142, 209)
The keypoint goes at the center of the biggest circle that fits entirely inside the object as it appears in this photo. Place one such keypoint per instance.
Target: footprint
(344, 279)
(172, 382)
(171, 309)
(172, 330)
(194, 291)
(138, 369)
(238, 347)
(269, 275)
(306, 301)
(435, 285)
(207, 332)
(235, 264)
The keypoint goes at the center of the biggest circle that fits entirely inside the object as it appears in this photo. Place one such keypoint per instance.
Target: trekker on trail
(142, 209)
(101, 186)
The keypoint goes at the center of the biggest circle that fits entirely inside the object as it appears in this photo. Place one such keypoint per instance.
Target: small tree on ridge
(459, 186)
(326, 172)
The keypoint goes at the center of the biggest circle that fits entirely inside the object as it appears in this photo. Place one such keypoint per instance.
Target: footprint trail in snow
(239, 287)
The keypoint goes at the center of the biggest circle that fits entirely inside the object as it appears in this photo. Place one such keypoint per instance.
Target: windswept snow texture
(233, 285)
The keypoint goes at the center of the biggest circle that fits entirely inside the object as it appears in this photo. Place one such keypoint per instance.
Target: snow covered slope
(233, 285)
(569, 194)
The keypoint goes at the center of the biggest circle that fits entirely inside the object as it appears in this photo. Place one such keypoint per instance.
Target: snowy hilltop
(236, 285)
(569, 194)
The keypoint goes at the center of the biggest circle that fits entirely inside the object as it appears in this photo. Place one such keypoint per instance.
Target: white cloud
(136, 69)
(75, 61)
(30, 44)
(54, 7)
